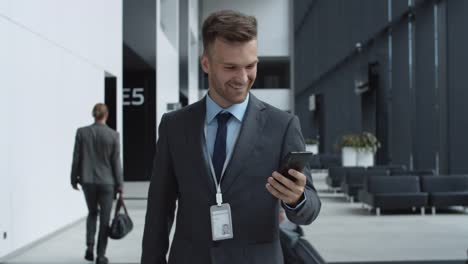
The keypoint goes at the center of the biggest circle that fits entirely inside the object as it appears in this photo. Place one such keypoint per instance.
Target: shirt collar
(237, 110)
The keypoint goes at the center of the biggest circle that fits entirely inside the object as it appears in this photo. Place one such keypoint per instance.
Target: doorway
(139, 124)
(319, 121)
(110, 99)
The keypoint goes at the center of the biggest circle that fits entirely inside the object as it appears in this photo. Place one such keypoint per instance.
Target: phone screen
(296, 160)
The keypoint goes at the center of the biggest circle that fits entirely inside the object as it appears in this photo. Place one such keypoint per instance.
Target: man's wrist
(299, 204)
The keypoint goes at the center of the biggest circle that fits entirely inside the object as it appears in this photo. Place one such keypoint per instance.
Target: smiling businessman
(218, 159)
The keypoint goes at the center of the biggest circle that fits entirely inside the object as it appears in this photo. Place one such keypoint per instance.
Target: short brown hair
(228, 25)
(100, 111)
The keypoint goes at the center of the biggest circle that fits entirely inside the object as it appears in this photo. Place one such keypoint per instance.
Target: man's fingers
(279, 195)
(288, 183)
(279, 187)
(301, 178)
(285, 189)
(281, 192)
(285, 181)
(275, 192)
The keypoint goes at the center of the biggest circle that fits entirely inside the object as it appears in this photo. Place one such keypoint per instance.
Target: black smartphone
(296, 160)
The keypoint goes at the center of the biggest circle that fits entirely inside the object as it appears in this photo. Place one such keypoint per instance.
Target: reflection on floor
(343, 233)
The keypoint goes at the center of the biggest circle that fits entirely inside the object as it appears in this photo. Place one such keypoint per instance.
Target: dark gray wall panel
(383, 107)
(341, 36)
(327, 47)
(426, 138)
(379, 13)
(442, 88)
(306, 50)
(364, 18)
(348, 14)
(301, 11)
(398, 8)
(374, 16)
(139, 29)
(400, 123)
(354, 21)
(405, 117)
(342, 107)
(457, 81)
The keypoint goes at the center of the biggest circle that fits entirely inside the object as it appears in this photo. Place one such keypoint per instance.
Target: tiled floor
(343, 232)
(347, 232)
(68, 247)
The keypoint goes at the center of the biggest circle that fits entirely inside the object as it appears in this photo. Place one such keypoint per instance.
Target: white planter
(349, 156)
(365, 158)
(312, 148)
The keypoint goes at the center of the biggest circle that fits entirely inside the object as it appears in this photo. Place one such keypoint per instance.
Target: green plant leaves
(365, 140)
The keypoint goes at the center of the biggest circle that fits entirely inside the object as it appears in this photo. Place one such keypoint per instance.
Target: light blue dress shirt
(233, 125)
(233, 129)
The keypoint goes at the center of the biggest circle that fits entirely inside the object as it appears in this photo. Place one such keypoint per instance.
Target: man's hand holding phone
(288, 184)
(288, 191)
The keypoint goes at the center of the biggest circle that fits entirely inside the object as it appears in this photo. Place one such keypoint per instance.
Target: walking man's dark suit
(183, 165)
(97, 168)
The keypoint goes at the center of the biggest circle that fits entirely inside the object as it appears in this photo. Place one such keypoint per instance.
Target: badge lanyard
(219, 194)
(221, 219)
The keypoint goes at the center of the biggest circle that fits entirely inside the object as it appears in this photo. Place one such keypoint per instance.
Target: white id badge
(221, 222)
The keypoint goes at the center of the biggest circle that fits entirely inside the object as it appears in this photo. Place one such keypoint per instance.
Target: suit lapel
(195, 142)
(252, 126)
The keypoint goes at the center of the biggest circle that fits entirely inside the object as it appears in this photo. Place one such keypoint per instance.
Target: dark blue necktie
(219, 152)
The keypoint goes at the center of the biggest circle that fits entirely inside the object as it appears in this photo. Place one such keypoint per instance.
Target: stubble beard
(228, 93)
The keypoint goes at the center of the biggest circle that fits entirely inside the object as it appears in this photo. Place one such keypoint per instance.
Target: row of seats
(405, 192)
(350, 179)
(394, 187)
(354, 179)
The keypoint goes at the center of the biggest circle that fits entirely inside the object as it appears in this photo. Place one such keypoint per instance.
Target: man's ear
(205, 63)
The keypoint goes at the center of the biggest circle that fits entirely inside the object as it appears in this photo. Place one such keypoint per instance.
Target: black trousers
(99, 199)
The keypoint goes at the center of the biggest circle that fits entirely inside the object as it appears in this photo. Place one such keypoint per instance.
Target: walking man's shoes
(102, 260)
(89, 255)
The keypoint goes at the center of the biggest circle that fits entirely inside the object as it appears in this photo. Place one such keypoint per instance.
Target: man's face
(231, 69)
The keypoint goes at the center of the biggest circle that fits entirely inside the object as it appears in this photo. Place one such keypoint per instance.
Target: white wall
(4, 133)
(4, 6)
(55, 68)
(5, 203)
(86, 28)
(276, 97)
(272, 17)
(167, 64)
(193, 56)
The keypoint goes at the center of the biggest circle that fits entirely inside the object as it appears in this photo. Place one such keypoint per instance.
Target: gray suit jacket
(96, 156)
(181, 172)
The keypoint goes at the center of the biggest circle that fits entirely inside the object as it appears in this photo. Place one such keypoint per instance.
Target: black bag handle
(120, 203)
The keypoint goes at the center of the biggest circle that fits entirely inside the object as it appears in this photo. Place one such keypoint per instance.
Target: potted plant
(369, 145)
(312, 145)
(349, 145)
(358, 149)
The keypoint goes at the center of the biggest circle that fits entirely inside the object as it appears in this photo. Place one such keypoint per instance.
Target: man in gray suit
(218, 159)
(97, 168)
